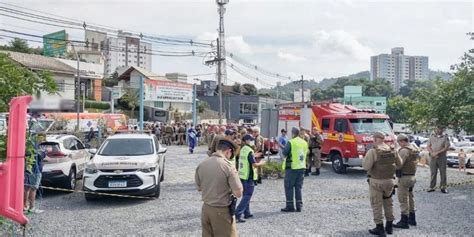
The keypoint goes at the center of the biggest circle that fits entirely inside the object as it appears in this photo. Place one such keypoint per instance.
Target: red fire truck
(346, 130)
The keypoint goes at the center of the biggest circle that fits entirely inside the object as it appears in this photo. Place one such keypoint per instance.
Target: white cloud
(341, 42)
(234, 43)
(237, 44)
(456, 21)
(290, 57)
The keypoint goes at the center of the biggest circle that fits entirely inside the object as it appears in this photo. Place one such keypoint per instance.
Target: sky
(315, 38)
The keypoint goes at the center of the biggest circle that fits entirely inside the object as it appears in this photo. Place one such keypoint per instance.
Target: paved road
(177, 212)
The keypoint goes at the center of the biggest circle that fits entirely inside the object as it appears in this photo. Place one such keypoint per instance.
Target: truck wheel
(70, 182)
(337, 164)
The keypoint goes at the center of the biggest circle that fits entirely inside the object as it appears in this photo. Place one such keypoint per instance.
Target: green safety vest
(244, 165)
(299, 152)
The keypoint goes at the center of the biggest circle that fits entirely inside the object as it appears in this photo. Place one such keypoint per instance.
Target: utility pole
(221, 4)
(219, 59)
(302, 90)
(78, 88)
(142, 91)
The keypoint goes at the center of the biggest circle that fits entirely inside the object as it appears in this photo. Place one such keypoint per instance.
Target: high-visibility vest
(299, 152)
(244, 164)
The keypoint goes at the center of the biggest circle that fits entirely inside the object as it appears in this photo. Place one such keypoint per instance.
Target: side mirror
(162, 150)
(93, 151)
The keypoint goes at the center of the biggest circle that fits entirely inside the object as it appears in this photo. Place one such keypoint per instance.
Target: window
(79, 145)
(70, 144)
(157, 144)
(326, 123)
(341, 126)
(249, 108)
(378, 103)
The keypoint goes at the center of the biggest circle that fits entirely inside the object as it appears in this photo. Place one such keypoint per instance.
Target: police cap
(228, 143)
(402, 137)
(248, 137)
(379, 134)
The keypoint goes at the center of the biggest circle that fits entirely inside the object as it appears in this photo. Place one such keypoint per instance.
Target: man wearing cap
(381, 162)
(282, 140)
(315, 143)
(406, 181)
(216, 139)
(219, 184)
(437, 146)
(259, 149)
(296, 152)
(248, 176)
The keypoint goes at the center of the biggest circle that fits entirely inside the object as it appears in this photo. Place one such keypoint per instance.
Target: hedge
(97, 105)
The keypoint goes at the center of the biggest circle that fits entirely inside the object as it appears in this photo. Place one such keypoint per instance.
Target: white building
(118, 51)
(122, 51)
(398, 67)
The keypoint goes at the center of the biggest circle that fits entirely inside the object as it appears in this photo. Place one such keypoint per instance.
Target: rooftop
(125, 75)
(39, 62)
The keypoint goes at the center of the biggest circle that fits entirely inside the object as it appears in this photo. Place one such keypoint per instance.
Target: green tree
(111, 81)
(16, 80)
(132, 98)
(399, 109)
(250, 88)
(19, 45)
(236, 87)
(202, 105)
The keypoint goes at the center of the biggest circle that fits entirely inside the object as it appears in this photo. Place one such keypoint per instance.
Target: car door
(160, 156)
(82, 155)
(74, 153)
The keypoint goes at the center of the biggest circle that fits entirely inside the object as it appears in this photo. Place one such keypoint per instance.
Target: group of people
(221, 183)
(232, 171)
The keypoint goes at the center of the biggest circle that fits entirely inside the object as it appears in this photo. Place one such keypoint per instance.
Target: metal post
(302, 91)
(221, 46)
(84, 97)
(194, 105)
(78, 88)
(219, 79)
(112, 102)
(141, 103)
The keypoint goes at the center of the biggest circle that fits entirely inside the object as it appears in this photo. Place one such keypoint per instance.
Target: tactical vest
(299, 151)
(384, 167)
(409, 167)
(244, 164)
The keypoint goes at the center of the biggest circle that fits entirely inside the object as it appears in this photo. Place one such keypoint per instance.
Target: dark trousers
(244, 205)
(293, 185)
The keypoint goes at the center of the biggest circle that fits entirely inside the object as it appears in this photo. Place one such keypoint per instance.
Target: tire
(90, 197)
(338, 164)
(162, 175)
(71, 179)
(156, 194)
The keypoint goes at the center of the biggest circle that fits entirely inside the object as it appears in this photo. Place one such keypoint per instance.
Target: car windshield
(370, 125)
(127, 147)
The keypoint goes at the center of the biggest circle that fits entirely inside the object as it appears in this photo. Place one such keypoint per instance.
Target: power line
(76, 23)
(257, 68)
(247, 75)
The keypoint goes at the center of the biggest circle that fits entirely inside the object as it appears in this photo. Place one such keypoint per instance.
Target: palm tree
(132, 98)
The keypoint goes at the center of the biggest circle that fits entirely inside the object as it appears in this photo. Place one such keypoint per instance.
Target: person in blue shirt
(33, 177)
(282, 140)
(192, 139)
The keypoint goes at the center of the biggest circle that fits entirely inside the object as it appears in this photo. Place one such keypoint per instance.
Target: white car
(66, 157)
(465, 146)
(131, 164)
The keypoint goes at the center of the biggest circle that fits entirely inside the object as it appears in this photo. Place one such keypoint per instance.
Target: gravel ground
(177, 212)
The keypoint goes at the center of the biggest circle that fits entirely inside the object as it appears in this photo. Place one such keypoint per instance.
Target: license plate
(117, 184)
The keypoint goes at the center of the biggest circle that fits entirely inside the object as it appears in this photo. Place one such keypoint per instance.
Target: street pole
(194, 105)
(112, 102)
(221, 4)
(84, 97)
(141, 103)
(78, 88)
(302, 90)
(219, 79)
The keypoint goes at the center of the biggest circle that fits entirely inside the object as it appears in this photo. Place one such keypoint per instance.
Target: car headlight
(90, 170)
(148, 170)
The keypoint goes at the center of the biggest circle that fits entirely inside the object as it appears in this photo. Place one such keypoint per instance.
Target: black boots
(378, 230)
(403, 223)
(389, 227)
(316, 172)
(412, 219)
(259, 180)
(288, 209)
(306, 172)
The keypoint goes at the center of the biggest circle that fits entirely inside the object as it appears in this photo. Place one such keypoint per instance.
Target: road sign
(54, 44)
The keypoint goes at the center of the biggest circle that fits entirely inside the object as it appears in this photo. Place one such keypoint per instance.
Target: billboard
(168, 91)
(55, 44)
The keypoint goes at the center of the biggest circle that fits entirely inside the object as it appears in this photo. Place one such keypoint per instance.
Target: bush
(273, 170)
(97, 105)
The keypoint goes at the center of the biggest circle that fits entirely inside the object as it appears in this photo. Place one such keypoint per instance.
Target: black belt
(408, 174)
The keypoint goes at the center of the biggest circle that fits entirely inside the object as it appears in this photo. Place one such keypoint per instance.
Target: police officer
(248, 176)
(259, 149)
(217, 180)
(438, 145)
(406, 181)
(295, 151)
(315, 143)
(381, 162)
